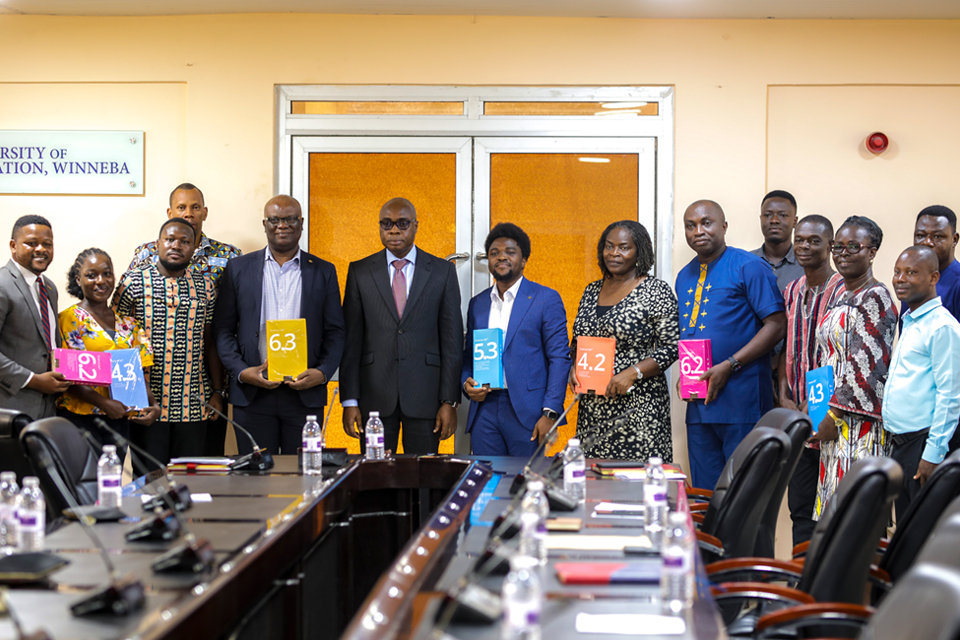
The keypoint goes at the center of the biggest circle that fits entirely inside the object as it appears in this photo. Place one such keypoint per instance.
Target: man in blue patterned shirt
(186, 201)
(209, 259)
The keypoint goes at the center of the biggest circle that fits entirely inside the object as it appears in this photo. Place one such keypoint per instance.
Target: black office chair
(917, 524)
(798, 428)
(943, 545)
(742, 494)
(12, 457)
(838, 560)
(72, 457)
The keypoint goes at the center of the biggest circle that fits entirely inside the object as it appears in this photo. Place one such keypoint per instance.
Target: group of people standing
(197, 309)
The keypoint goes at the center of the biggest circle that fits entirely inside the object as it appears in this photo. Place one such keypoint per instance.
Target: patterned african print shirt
(806, 306)
(209, 258)
(80, 330)
(174, 312)
(726, 301)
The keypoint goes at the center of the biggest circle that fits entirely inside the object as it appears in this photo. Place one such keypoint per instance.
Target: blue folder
(819, 392)
(128, 386)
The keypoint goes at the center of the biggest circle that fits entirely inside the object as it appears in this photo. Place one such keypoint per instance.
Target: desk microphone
(194, 554)
(331, 457)
(39, 634)
(590, 438)
(123, 594)
(258, 460)
(547, 440)
(176, 497)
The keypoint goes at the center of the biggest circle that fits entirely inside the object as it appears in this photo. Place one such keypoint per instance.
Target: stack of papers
(630, 624)
(618, 509)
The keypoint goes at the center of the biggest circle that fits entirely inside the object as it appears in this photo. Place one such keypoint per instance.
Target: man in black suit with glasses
(404, 338)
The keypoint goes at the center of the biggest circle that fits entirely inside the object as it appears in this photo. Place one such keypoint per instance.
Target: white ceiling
(732, 9)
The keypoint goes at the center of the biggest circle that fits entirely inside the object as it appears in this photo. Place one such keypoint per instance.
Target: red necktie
(400, 286)
(44, 311)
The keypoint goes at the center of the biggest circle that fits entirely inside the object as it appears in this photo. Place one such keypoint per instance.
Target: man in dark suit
(536, 355)
(404, 338)
(28, 322)
(280, 282)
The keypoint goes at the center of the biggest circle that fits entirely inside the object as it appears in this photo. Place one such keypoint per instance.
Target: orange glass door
(563, 193)
(347, 179)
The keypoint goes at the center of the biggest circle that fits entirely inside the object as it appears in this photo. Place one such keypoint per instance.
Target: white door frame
(295, 132)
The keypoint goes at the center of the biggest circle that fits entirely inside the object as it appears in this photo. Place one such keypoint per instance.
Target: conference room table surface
(252, 515)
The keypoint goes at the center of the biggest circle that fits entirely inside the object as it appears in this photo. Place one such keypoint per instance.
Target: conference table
(367, 550)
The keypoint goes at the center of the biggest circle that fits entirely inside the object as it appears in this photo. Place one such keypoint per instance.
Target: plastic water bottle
(374, 434)
(655, 500)
(534, 510)
(521, 596)
(312, 447)
(574, 471)
(676, 576)
(9, 504)
(32, 515)
(109, 472)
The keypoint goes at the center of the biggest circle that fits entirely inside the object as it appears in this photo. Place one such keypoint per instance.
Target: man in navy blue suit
(280, 282)
(536, 355)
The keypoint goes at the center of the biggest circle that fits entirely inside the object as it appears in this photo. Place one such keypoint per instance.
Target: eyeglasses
(403, 224)
(290, 221)
(837, 248)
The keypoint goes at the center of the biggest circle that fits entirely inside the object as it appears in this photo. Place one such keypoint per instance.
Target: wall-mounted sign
(71, 162)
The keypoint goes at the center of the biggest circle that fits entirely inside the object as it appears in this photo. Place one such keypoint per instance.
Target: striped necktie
(44, 311)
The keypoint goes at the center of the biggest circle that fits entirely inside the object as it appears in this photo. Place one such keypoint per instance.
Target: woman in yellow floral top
(91, 325)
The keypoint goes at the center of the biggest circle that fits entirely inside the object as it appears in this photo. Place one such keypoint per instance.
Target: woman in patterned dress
(91, 325)
(640, 311)
(856, 337)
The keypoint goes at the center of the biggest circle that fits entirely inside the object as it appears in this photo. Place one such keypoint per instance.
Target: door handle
(453, 257)
(481, 255)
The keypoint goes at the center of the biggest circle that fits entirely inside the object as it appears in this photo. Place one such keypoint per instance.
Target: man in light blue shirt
(921, 399)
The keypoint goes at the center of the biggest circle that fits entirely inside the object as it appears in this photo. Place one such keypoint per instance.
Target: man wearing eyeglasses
(404, 339)
(280, 282)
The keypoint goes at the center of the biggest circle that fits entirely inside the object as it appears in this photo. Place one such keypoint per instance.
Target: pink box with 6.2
(696, 357)
(84, 367)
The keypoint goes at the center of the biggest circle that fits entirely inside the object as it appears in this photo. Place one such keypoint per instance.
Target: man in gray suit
(404, 338)
(28, 322)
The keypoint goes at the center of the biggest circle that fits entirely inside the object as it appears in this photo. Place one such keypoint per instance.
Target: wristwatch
(734, 364)
(551, 414)
(455, 405)
(837, 422)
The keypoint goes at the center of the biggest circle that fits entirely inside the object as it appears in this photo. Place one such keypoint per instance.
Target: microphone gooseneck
(258, 460)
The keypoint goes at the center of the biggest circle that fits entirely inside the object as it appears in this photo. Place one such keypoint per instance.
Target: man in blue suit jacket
(280, 282)
(536, 355)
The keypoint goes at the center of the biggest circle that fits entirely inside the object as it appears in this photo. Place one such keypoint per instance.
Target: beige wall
(203, 89)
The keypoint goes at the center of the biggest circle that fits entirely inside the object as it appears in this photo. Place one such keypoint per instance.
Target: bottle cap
(574, 442)
(109, 448)
(374, 414)
(8, 476)
(677, 517)
(535, 485)
(656, 460)
(311, 418)
(520, 561)
(31, 481)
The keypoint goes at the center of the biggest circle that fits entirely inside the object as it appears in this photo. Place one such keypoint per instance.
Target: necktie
(400, 286)
(44, 311)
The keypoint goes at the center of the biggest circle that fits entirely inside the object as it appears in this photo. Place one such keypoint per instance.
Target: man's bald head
(705, 228)
(282, 202)
(915, 276)
(396, 205)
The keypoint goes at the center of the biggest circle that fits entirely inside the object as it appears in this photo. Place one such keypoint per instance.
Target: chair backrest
(844, 541)
(798, 428)
(11, 455)
(943, 544)
(925, 603)
(74, 460)
(924, 513)
(744, 489)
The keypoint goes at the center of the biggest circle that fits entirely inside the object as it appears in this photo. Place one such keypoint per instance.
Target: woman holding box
(91, 325)
(856, 338)
(640, 313)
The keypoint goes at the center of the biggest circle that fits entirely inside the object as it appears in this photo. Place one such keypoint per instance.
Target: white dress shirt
(500, 310)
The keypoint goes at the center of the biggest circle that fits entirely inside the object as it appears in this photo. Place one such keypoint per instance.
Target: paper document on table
(640, 474)
(201, 460)
(583, 542)
(615, 508)
(631, 624)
